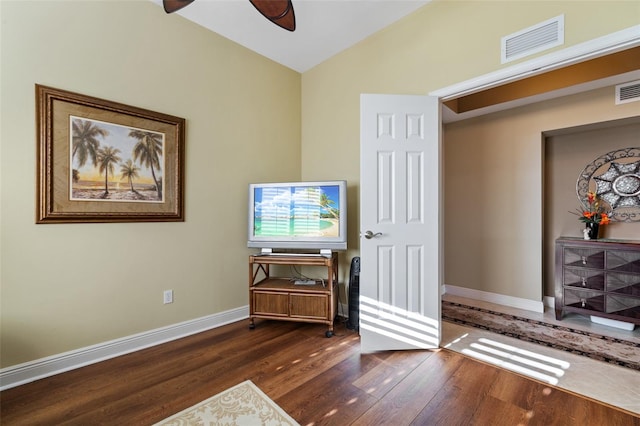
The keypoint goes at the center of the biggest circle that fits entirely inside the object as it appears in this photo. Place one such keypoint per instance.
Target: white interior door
(400, 222)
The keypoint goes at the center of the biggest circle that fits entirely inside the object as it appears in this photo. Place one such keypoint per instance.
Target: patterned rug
(616, 351)
(242, 405)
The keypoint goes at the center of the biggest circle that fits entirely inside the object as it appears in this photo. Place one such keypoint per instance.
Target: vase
(592, 231)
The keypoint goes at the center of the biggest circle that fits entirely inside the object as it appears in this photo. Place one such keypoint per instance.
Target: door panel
(401, 268)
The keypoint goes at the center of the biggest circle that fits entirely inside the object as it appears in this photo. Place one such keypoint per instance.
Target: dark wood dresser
(598, 277)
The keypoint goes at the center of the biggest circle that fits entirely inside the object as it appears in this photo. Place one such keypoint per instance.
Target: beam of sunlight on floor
(511, 366)
(533, 364)
(538, 366)
(454, 341)
(557, 372)
(560, 363)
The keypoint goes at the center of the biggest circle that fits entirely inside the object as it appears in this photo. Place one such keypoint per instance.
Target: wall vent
(628, 92)
(537, 38)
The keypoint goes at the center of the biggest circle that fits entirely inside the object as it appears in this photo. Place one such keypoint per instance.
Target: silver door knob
(369, 235)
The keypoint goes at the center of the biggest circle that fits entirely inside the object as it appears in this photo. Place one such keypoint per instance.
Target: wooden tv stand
(278, 298)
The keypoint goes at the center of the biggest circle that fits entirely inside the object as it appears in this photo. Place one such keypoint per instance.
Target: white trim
(611, 43)
(38, 369)
(549, 302)
(499, 299)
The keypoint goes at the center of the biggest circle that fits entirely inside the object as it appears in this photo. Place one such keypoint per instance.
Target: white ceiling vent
(628, 92)
(537, 38)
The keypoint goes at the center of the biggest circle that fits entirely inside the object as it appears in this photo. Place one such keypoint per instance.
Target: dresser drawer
(584, 278)
(585, 257)
(584, 299)
(623, 284)
(623, 261)
(628, 307)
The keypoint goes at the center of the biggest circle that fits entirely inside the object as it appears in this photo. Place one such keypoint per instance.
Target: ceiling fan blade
(171, 6)
(280, 12)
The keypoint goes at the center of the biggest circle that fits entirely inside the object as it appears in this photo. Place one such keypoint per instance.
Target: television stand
(279, 298)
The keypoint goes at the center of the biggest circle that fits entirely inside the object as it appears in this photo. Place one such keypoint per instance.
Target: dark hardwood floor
(318, 381)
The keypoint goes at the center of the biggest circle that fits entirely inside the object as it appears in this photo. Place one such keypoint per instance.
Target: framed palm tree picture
(102, 161)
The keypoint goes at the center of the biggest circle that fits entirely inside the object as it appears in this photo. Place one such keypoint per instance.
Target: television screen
(298, 215)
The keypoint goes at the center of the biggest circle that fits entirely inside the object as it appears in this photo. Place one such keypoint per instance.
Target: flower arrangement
(594, 212)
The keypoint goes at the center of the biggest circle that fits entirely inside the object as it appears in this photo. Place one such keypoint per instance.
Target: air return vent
(537, 38)
(628, 92)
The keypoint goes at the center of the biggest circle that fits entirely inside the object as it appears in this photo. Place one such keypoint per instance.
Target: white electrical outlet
(168, 296)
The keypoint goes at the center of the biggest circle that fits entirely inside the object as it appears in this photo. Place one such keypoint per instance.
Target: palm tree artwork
(148, 151)
(107, 157)
(85, 141)
(97, 148)
(129, 171)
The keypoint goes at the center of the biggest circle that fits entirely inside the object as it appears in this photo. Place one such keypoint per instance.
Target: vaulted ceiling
(323, 27)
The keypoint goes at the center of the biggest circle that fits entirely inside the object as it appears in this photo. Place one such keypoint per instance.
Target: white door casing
(401, 264)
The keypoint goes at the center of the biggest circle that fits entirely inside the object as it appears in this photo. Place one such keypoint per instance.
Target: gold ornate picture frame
(102, 161)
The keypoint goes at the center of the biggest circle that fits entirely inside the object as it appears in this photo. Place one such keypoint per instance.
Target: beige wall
(494, 197)
(69, 286)
(566, 153)
(444, 43)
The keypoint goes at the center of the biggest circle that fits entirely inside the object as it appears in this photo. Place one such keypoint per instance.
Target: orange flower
(592, 211)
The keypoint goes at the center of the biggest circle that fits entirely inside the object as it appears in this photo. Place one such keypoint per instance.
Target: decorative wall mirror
(615, 178)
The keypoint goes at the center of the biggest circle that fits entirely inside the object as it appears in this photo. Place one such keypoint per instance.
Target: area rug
(615, 351)
(242, 405)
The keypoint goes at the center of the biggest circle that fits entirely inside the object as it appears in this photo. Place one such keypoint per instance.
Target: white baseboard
(45, 367)
(499, 299)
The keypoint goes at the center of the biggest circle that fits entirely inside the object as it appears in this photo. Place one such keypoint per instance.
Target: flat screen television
(298, 216)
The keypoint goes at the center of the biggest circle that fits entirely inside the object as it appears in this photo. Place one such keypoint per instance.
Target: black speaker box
(354, 295)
